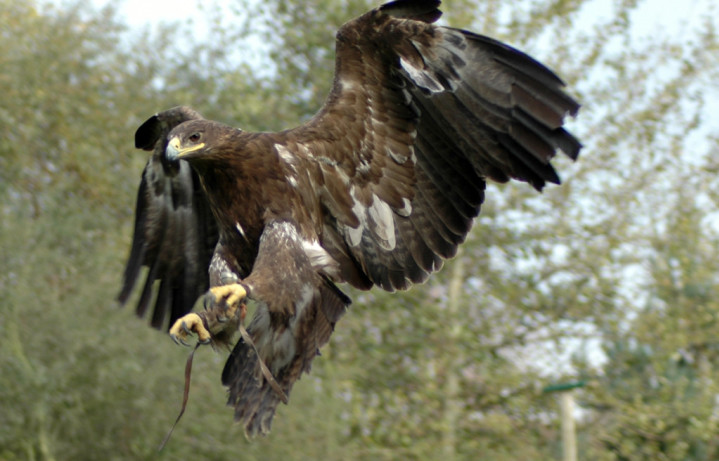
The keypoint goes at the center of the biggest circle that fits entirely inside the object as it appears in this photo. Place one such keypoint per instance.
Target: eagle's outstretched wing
(418, 117)
(175, 233)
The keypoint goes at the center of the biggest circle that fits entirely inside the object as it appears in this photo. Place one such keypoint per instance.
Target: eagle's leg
(223, 313)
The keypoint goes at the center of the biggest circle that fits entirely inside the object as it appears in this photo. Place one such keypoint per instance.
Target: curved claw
(207, 302)
(179, 341)
(188, 325)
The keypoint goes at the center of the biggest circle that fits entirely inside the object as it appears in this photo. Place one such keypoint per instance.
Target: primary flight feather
(378, 188)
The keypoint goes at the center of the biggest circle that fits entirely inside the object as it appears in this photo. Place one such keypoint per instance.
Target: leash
(185, 395)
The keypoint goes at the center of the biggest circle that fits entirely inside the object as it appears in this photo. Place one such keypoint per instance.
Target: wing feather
(175, 233)
(418, 118)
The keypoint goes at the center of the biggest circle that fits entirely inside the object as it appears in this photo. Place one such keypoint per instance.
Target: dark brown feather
(174, 234)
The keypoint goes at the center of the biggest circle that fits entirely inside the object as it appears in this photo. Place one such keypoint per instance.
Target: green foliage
(668, 354)
(616, 268)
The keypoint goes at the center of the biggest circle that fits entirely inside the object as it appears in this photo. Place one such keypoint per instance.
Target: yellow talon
(227, 302)
(232, 294)
(186, 325)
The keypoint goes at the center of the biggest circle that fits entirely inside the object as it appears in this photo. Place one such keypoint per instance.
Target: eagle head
(196, 139)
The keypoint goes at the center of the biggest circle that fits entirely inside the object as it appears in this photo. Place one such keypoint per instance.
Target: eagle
(377, 189)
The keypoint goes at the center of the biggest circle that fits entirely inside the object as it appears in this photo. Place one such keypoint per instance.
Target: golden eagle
(378, 188)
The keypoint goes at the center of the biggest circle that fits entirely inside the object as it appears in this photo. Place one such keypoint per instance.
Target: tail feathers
(251, 395)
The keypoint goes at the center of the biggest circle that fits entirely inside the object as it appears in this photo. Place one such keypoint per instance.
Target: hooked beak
(175, 152)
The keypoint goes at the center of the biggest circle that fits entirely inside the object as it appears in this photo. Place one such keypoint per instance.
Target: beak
(174, 151)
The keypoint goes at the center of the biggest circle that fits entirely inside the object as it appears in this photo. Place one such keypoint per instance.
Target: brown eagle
(378, 188)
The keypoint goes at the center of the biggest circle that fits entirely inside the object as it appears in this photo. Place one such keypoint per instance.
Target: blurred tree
(654, 213)
(69, 98)
(656, 398)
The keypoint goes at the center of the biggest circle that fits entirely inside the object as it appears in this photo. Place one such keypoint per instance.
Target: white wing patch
(285, 155)
(290, 160)
(421, 77)
(381, 221)
(320, 259)
(406, 209)
(240, 229)
(378, 219)
(348, 84)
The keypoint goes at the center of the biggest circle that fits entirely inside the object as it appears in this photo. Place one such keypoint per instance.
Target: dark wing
(418, 117)
(175, 232)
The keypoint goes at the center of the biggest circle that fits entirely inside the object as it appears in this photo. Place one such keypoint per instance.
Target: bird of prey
(377, 189)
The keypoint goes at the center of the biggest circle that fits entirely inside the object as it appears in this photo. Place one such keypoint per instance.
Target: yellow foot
(188, 324)
(224, 311)
(229, 296)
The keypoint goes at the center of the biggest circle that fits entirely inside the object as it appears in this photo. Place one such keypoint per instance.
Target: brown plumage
(378, 188)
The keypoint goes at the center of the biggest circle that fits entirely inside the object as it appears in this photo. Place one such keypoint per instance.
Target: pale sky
(652, 14)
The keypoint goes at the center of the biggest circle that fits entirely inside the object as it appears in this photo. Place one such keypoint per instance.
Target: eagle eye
(194, 137)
